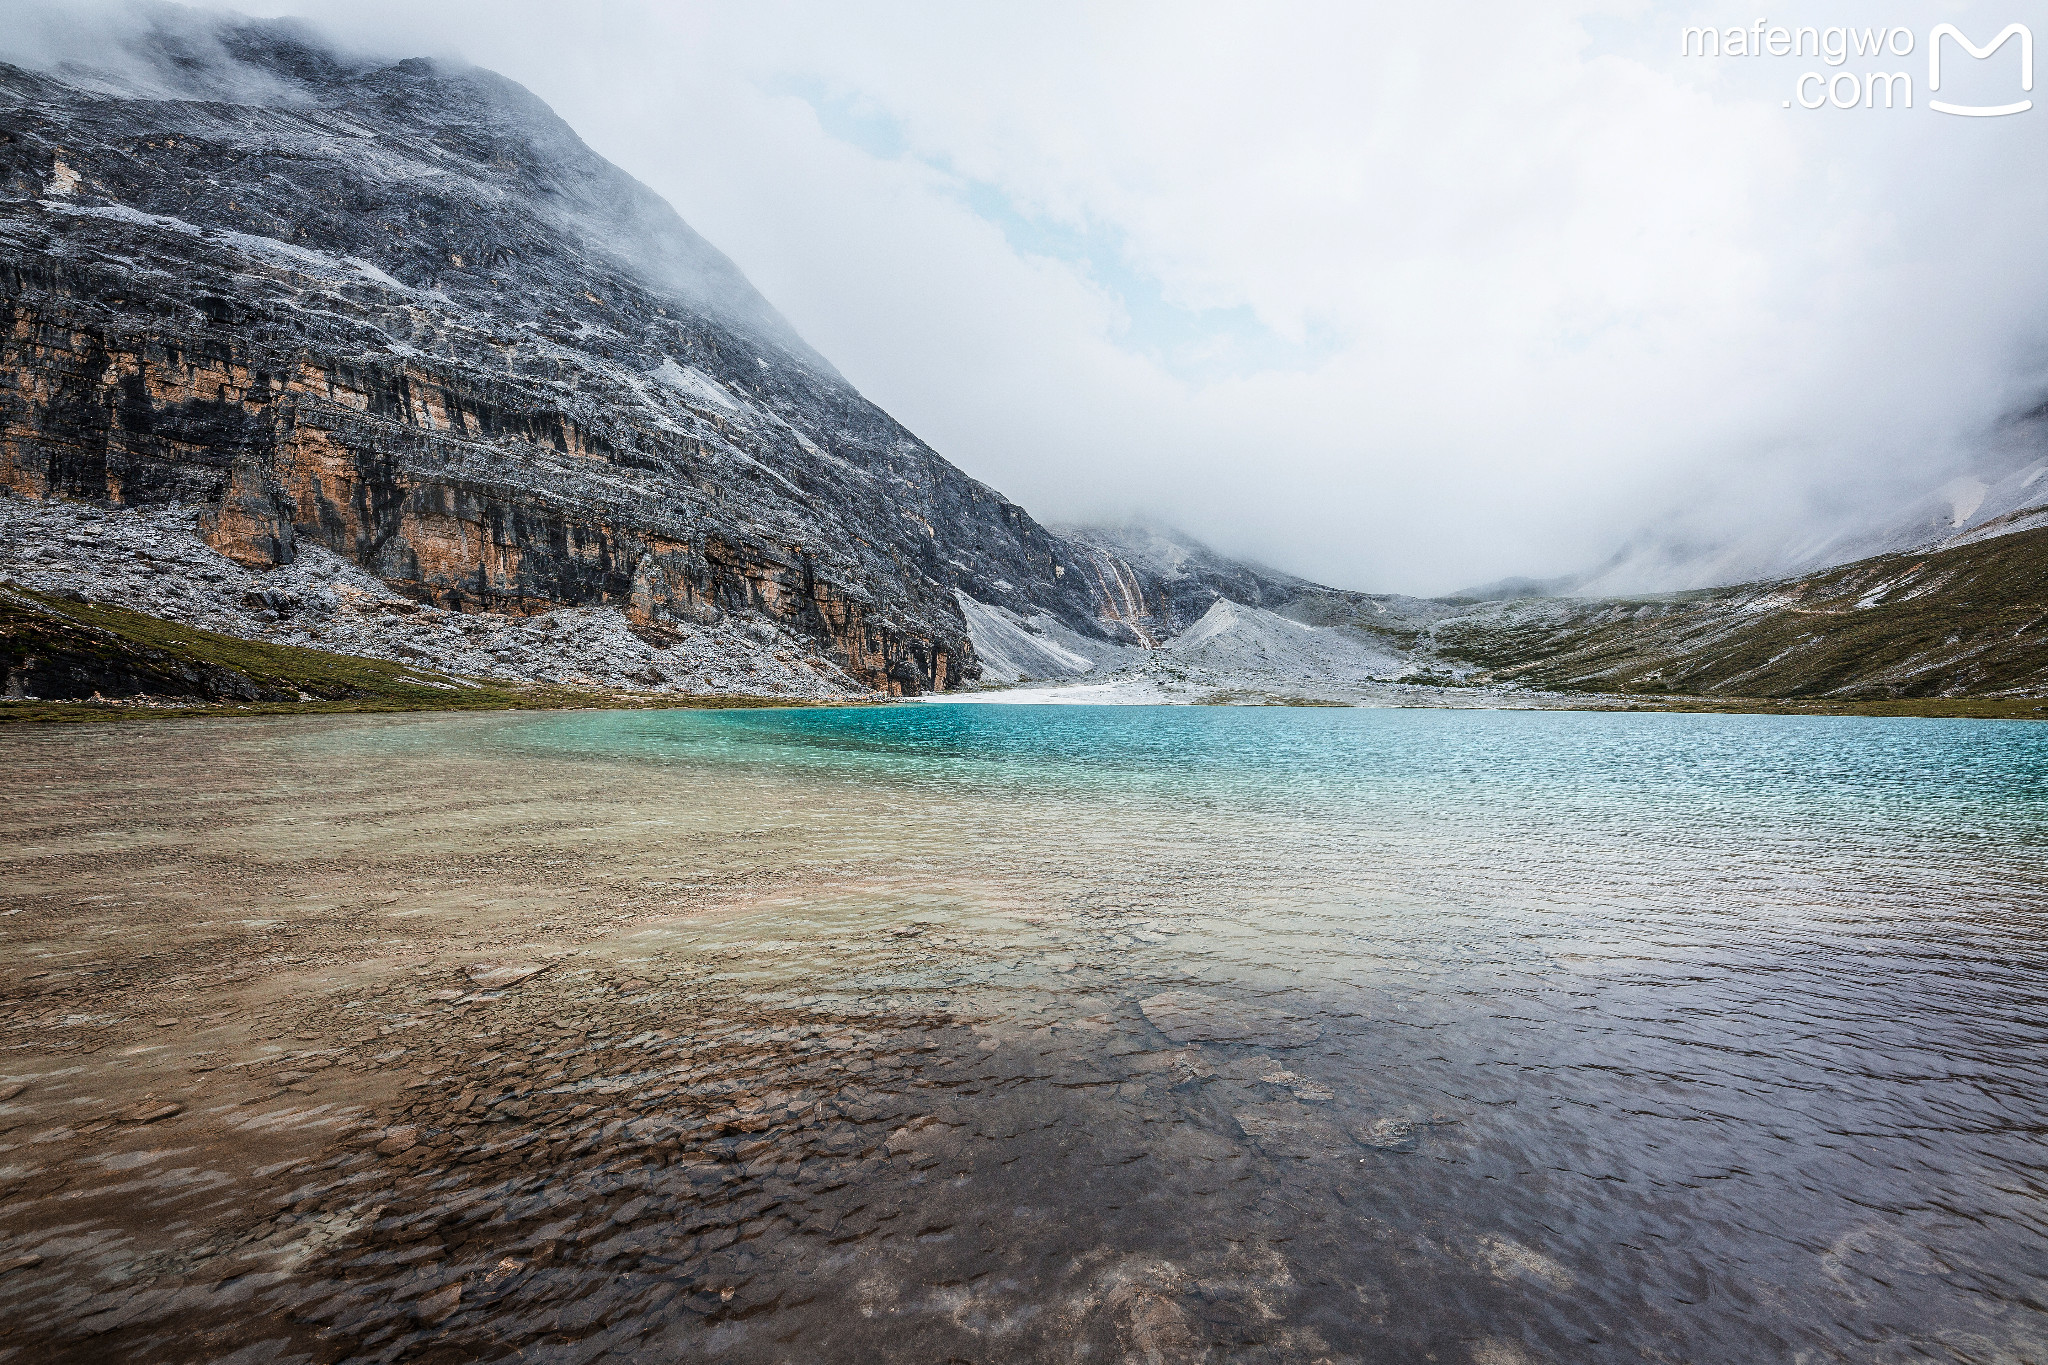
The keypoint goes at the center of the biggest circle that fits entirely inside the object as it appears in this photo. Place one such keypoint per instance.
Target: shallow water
(990, 1033)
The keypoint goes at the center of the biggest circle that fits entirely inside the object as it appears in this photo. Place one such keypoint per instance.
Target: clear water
(1289, 1034)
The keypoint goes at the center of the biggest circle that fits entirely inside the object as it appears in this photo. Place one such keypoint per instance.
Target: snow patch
(248, 243)
(692, 382)
(1965, 496)
(1124, 692)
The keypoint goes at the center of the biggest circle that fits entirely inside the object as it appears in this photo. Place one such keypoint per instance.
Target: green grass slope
(67, 660)
(1965, 622)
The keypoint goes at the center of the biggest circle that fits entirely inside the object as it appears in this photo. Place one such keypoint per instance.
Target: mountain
(377, 359)
(399, 313)
(1204, 626)
(1158, 581)
(1966, 617)
(1187, 612)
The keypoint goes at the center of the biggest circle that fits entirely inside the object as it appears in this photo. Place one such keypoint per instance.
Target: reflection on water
(986, 1033)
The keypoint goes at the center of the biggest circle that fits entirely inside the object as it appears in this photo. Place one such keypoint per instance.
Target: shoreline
(85, 645)
(35, 711)
(112, 710)
(1435, 697)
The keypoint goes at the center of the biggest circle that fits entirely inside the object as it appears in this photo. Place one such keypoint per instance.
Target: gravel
(152, 560)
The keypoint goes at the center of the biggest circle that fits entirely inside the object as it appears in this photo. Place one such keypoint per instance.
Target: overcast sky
(1401, 297)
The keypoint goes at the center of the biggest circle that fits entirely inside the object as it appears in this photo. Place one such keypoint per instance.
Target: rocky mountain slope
(399, 313)
(56, 651)
(150, 560)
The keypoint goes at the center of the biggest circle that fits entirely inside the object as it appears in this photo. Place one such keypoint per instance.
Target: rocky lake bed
(493, 1088)
(973, 1033)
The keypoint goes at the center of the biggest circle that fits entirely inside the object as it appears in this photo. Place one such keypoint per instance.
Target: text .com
(1871, 88)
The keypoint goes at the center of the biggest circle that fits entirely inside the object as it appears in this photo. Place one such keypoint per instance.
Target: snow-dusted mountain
(1198, 623)
(399, 312)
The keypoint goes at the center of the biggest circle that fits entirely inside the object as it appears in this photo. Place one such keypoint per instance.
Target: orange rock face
(378, 464)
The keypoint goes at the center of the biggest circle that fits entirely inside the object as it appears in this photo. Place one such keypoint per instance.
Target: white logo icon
(1980, 110)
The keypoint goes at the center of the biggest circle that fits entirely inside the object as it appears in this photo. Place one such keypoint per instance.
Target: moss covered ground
(169, 669)
(1962, 631)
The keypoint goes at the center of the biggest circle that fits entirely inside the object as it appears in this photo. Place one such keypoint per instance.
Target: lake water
(1160, 1034)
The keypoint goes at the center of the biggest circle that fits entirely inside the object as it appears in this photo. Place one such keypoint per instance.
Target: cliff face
(402, 313)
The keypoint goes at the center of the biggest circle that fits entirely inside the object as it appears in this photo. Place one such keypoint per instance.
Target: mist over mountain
(2003, 482)
(1383, 297)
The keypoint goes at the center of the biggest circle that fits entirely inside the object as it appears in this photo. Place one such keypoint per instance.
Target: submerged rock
(488, 978)
(1389, 1135)
(1189, 1017)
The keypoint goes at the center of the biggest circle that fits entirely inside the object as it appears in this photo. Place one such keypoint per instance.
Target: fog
(1395, 297)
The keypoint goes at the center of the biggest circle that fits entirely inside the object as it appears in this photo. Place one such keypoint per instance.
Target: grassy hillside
(67, 660)
(1965, 622)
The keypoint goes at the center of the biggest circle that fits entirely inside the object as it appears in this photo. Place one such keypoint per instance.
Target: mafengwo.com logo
(1873, 48)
